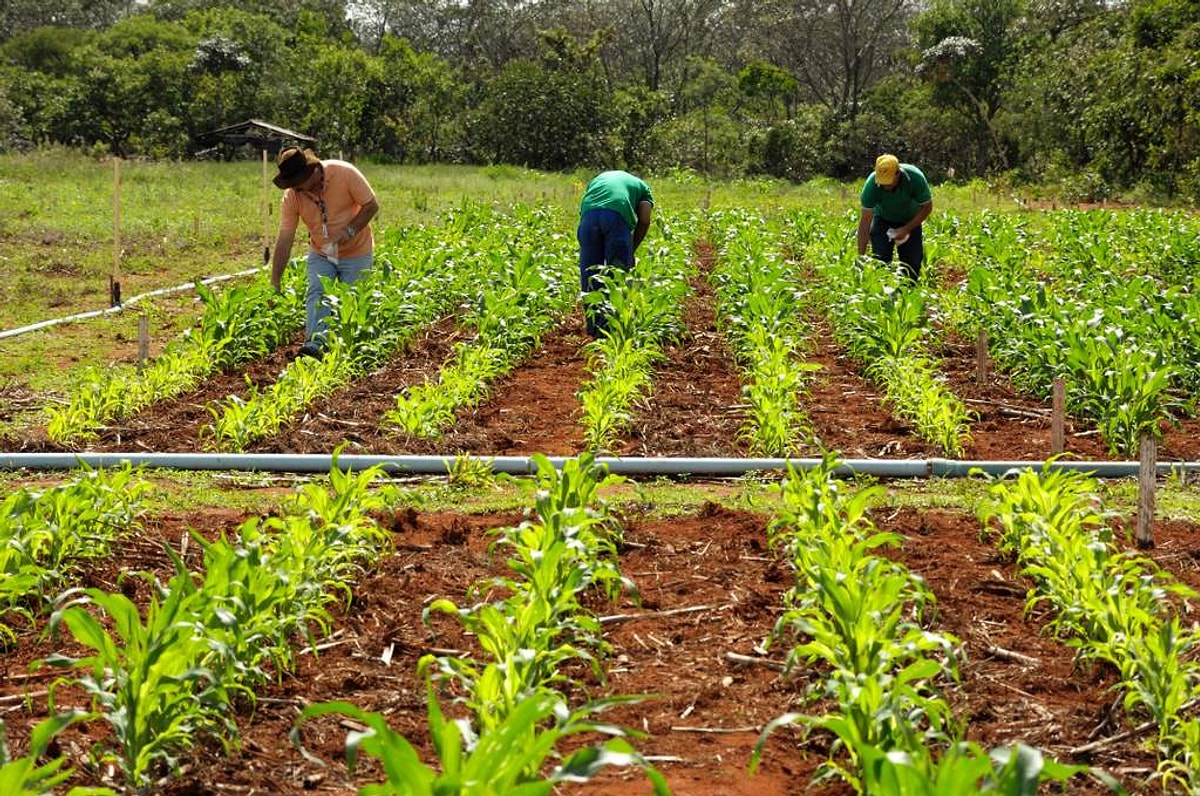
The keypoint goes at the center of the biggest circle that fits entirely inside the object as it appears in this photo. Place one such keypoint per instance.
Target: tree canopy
(1093, 96)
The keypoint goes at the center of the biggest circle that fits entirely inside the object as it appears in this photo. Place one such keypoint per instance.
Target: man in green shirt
(895, 201)
(614, 217)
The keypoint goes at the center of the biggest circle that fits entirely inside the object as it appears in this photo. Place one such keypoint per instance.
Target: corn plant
(45, 536)
(161, 681)
(510, 758)
(524, 294)
(426, 410)
(884, 324)
(760, 315)
(643, 307)
(28, 776)
(1112, 606)
(238, 324)
(237, 422)
(567, 549)
(914, 390)
(967, 769)
(859, 616)
(1071, 306)
(143, 676)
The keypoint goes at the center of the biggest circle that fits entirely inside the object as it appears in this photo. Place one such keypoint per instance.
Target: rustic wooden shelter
(254, 133)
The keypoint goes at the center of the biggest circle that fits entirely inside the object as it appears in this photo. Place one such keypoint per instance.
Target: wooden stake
(114, 285)
(143, 339)
(981, 358)
(1147, 461)
(1058, 419)
(266, 212)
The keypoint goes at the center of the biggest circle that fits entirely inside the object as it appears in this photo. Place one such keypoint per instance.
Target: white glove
(331, 252)
(892, 236)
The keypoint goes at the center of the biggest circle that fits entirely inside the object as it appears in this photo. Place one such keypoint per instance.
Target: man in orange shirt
(336, 203)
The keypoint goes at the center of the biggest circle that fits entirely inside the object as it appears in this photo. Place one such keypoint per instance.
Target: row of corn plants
(238, 324)
(1115, 607)
(643, 308)
(884, 322)
(530, 287)
(532, 632)
(861, 623)
(421, 273)
(48, 535)
(760, 312)
(162, 678)
(1059, 304)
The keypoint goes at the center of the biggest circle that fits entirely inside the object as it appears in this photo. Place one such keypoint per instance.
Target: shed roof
(262, 135)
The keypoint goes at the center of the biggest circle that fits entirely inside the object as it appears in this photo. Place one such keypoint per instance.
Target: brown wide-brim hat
(295, 166)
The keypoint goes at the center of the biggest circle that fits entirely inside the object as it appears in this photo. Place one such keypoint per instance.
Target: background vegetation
(1088, 98)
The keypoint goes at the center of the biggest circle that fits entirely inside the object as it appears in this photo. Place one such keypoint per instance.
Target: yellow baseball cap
(887, 170)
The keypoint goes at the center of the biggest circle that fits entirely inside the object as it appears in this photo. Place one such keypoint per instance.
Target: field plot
(203, 647)
(712, 588)
(467, 339)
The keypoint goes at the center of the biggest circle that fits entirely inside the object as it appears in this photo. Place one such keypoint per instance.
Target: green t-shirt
(901, 204)
(616, 190)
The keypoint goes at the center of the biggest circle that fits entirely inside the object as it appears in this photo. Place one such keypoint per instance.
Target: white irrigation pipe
(521, 465)
(97, 313)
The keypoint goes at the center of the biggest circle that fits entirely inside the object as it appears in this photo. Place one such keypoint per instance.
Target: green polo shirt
(901, 204)
(616, 190)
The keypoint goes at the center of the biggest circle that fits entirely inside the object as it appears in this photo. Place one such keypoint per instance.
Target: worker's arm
(644, 211)
(283, 253)
(361, 219)
(922, 213)
(864, 229)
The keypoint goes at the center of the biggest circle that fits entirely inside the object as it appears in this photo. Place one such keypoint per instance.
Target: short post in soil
(143, 339)
(1058, 419)
(981, 358)
(1147, 483)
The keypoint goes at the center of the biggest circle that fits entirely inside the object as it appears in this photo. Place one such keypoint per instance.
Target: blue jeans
(315, 308)
(911, 252)
(604, 239)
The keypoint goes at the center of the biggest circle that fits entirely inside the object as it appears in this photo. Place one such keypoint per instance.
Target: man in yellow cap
(895, 201)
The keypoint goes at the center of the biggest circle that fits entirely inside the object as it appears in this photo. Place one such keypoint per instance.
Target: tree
(969, 51)
(22, 16)
(543, 116)
(837, 50)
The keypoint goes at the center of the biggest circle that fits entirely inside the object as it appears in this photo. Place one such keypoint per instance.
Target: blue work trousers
(315, 309)
(604, 239)
(911, 252)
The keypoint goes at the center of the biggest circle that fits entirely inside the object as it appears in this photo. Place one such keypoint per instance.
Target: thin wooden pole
(266, 211)
(1147, 461)
(981, 358)
(143, 338)
(114, 284)
(1058, 419)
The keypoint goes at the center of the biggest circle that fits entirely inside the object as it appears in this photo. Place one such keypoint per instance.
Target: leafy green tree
(969, 51)
(21, 16)
(768, 85)
(337, 84)
(14, 131)
(536, 116)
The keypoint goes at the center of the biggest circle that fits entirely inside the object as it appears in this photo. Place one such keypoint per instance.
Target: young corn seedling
(144, 677)
(1112, 606)
(510, 758)
(28, 776)
(46, 536)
